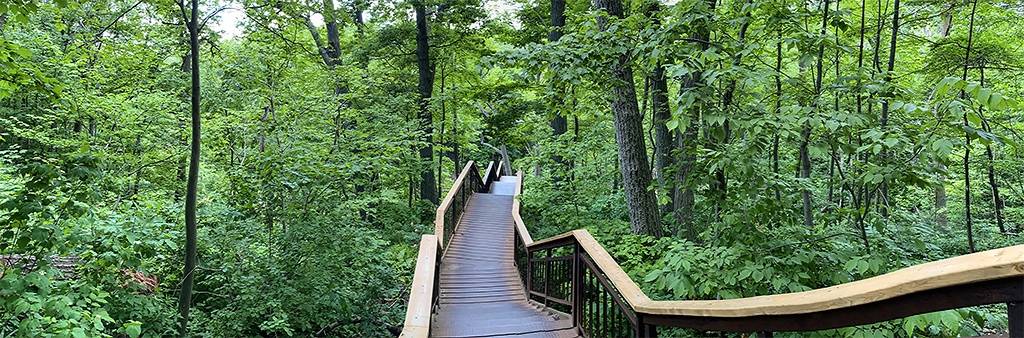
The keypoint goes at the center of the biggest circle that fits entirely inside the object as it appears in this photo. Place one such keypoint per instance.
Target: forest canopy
(261, 168)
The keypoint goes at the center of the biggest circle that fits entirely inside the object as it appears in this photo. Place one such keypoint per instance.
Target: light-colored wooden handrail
(421, 294)
(524, 234)
(967, 269)
(447, 202)
(488, 172)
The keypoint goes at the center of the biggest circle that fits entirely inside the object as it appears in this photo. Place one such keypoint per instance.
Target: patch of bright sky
(229, 19)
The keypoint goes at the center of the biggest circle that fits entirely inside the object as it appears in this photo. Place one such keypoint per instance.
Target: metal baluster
(547, 278)
(1015, 312)
(593, 303)
(576, 286)
(604, 312)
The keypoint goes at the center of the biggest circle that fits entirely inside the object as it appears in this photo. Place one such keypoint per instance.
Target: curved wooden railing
(573, 273)
(425, 281)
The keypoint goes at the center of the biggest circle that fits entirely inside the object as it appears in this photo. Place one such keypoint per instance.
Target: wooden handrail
(447, 202)
(421, 294)
(981, 278)
(524, 235)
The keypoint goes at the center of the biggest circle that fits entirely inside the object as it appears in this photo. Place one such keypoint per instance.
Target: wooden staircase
(470, 276)
(481, 294)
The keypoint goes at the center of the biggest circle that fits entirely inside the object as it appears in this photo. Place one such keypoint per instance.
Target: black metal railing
(562, 276)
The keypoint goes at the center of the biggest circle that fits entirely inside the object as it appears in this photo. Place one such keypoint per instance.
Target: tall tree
(559, 123)
(629, 136)
(426, 89)
(663, 143)
(185, 299)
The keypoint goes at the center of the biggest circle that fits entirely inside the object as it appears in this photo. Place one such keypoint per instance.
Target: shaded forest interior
(270, 175)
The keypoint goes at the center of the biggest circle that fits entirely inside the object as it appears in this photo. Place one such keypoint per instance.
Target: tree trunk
(941, 219)
(185, 298)
(884, 121)
(778, 108)
(559, 123)
(663, 142)
(629, 136)
(967, 149)
(426, 88)
(805, 158)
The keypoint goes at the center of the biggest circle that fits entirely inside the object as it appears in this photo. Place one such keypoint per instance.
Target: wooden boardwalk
(481, 292)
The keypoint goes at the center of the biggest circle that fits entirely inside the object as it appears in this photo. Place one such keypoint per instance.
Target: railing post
(577, 286)
(547, 277)
(644, 330)
(1015, 312)
(529, 272)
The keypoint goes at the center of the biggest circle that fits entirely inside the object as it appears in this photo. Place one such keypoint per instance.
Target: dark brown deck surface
(481, 293)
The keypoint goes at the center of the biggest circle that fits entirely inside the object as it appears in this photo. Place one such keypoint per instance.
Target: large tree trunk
(426, 88)
(629, 136)
(185, 298)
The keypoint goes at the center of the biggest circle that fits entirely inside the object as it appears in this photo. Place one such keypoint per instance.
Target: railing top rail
(524, 235)
(421, 294)
(489, 173)
(449, 197)
(967, 269)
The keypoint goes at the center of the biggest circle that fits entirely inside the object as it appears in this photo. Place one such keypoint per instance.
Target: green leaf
(672, 124)
(983, 95)
(744, 274)
(897, 105)
(758, 275)
(653, 275)
(910, 107)
(133, 329)
(974, 118)
(972, 88)
(943, 147)
(994, 101)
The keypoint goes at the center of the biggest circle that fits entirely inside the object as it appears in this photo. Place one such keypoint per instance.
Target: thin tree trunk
(967, 149)
(883, 156)
(185, 299)
(805, 158)
(941, 219)
(629, 136)
(996, 205)
(662, 136)
(778, 108)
